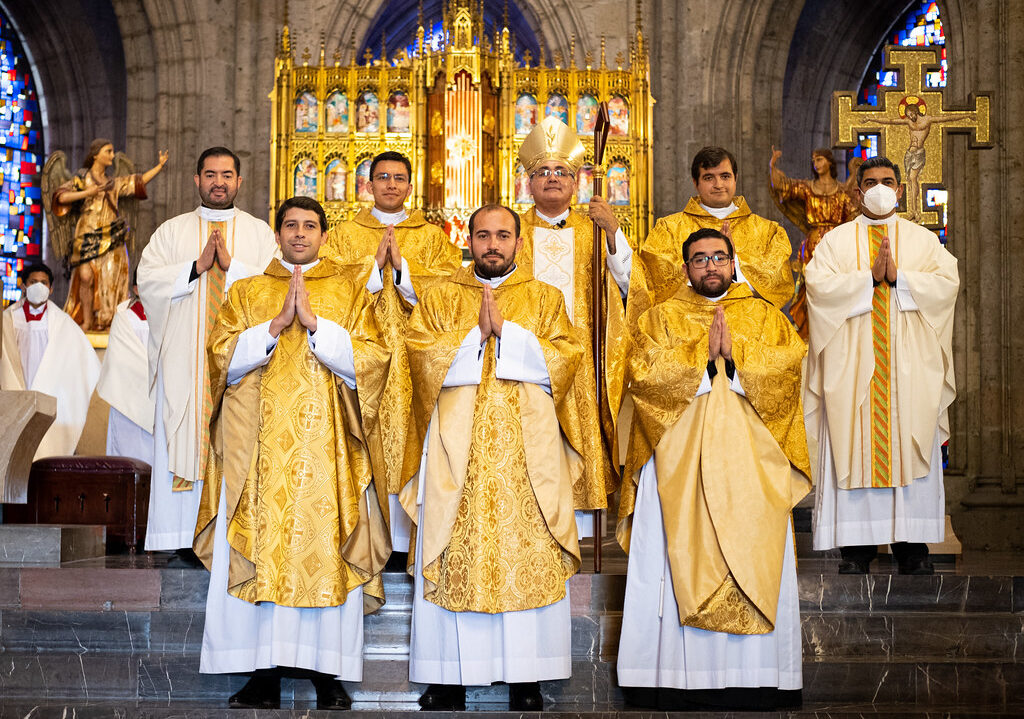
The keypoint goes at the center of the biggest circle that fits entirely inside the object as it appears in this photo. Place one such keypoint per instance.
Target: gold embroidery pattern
(729, 610)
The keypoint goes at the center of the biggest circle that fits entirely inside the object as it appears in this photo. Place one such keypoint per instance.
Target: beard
(496, 269)
(712, 285)
(227, 202)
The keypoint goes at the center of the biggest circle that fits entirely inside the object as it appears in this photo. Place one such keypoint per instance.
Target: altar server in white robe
(123, 378)
(46, 351)
(492, 356)
(880, 296)
(185, 271)
(717, 460)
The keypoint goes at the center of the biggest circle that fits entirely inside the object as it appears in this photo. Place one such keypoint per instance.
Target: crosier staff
(601, 128)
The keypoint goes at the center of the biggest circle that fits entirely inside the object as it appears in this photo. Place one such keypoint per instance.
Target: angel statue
(815, 207)
(91, 231)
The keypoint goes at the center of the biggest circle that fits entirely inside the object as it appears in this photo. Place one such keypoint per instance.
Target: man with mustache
(494, 451)
(186, 269)
(397, 255)
(717, 459)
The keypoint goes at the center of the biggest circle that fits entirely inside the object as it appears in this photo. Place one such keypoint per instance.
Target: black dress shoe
(331, 694)
(525, 697)
(262, 691)
(917, 567)
(849, 566)
(444, 697)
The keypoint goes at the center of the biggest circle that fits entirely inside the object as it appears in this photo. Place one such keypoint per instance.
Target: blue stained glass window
(21, 161)
(921, 26)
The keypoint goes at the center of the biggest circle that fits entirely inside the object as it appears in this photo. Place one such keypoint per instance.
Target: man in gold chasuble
(397, 255)
(292, 525)
(717, 459)
(493, 356)
(558, 249)
(762, 246)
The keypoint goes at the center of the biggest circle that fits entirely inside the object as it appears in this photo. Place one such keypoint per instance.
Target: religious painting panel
(337, 180)
(522, 186)
(617, 183)
(367, 112)
(526, 113)
(305, 178)
(305, 112)
(618, 114)
(586, 114)
(585, 184)
(557, 106)
(398, 112)
(336, 109)
(363, 193)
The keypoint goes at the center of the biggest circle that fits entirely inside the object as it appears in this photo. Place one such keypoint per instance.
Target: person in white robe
(185, 271)
(44, 350)
(717, 460)
(881, 292)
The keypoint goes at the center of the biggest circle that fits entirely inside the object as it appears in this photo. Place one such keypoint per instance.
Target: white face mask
(880, 200)
(37, 293)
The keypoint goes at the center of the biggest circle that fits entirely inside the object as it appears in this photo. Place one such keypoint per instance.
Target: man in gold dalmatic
(397, 255)
(292, 525)
(762, 246)
(493, 357)
(717, 459)
(558, 250)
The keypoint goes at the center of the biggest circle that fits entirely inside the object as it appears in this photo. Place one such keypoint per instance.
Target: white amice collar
(291, 268)
(719, 212)
(389, 218)
(865, 220)
(556, 219)
(495, 281)
(211, 215)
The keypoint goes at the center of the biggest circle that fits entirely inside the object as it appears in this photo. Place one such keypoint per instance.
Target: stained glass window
(21, 150)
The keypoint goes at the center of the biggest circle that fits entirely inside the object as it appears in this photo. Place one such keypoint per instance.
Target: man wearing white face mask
(880, 295)
(46, 351)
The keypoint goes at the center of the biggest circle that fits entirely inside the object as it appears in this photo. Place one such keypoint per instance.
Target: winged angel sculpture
(91, 216)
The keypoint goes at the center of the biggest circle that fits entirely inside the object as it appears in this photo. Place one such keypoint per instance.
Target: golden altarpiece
(459, 108)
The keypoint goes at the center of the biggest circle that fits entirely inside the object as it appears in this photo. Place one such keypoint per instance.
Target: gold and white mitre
(552, 139)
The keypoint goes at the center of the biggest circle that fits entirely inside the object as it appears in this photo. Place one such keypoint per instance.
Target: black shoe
(397, 562)
(184, 559)
(525, 697)
(262, 691)
(640, 697)
(849, 566)
(917, 567)
(330, 693)
(444, 697)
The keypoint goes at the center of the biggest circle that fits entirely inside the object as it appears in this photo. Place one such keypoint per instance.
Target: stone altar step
(50, 544)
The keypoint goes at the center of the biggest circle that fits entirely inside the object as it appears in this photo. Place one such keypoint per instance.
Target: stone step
(50, 544)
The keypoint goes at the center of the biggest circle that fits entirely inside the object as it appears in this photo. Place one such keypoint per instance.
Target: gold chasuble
(306, 523)
(503, 457)
(548, 254)
(762, 246)
(729, 469)
(431, 258)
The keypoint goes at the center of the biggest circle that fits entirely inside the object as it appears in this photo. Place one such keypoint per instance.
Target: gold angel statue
(91, 216)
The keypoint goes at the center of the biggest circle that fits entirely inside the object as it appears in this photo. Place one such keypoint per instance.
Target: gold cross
(904, 119)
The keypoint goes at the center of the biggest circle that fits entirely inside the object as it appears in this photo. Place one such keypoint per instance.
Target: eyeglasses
(548, 172)
(699, 263)
(385, 176)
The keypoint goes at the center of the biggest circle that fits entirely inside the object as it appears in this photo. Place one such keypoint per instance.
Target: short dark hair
(301, 203)
(218, 151)
(35, 267)
(709, 157)
(703, 234)
(492, 208)
(825, 152)
(877, 161)
(390, 156)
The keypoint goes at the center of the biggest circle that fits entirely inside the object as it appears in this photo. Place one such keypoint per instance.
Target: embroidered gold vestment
(600, 449)
(431, 258)
(306, 522)
(729, 469)
(503, 457)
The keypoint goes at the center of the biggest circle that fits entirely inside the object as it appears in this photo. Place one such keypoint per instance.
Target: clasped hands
(296, 304)
(491, 320)
(216, 249)
(387, 250)
(884, 267)
(719, 337)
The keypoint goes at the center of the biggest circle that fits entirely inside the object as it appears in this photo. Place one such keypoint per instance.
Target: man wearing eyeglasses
(398, 255)
(558, 249)
(762, 246)
(717, 459)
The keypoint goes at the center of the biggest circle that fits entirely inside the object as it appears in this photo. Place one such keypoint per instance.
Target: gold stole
(501, 556)
(880, 388)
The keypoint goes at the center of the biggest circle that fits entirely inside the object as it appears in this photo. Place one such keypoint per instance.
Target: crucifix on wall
(911, 121)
